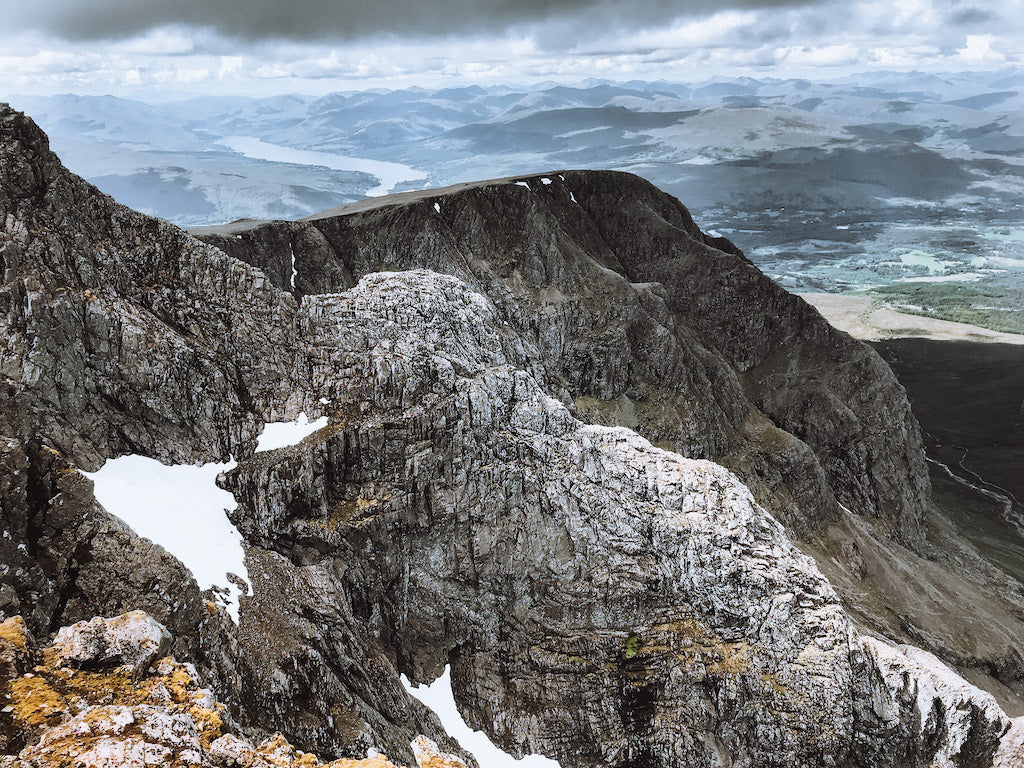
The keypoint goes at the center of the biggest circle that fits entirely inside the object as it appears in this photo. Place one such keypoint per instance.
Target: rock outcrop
(634, 318)
(478, 498)
(639, 319)
(56, 715)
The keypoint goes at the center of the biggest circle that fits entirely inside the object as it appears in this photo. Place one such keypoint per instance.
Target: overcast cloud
(163, 47)
(320, 20)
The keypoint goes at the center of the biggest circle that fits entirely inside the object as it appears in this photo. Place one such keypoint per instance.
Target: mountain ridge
(422, 524)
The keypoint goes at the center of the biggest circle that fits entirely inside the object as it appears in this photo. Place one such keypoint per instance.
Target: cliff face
(479, 497)
(640, 320)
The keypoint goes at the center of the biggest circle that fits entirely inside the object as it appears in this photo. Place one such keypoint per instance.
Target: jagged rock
(1011, 749)
(103, 718)
(429, 756)
(15, 647)
(134, 640)
(641, 320)
(108, 736)
(644, 611)
(598, 598)
(945, 709)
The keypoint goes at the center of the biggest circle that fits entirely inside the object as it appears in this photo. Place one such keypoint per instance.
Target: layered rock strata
(599, 599)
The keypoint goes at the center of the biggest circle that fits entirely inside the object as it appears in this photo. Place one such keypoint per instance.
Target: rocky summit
(578, 452)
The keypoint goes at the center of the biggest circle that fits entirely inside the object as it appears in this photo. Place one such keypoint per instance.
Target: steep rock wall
(598, 598)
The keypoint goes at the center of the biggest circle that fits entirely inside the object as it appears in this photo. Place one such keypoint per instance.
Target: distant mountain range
(907, 183)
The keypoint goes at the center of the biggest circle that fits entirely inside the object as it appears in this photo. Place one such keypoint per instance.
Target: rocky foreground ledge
(105, 695)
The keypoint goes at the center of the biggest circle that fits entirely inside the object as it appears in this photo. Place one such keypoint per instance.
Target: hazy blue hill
(883, 179)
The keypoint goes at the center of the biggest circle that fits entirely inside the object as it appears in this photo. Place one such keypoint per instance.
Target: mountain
(569, 443)
(907, 185)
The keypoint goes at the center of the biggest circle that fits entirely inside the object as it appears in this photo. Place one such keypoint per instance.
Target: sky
(168, 48)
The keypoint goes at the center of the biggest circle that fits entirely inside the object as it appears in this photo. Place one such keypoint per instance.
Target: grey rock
(643, 321)
(598, 598)
(134, 639)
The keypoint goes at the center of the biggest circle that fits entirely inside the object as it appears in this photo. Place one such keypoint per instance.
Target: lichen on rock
(115, 715)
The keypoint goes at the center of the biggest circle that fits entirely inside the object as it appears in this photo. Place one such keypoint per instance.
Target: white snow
(437, 207)
(523, 184)
(573, 197)
(280, 434)
(390, 175)
(294, 271)
(180, 508)
(545, 181)
(438, 696)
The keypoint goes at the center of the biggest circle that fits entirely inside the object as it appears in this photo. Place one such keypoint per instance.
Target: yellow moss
(208, 723)
(43, 699)
(346, 513)
(14, 632)
(35, 701)
(211, 607)
(772, 681)
(369, 762)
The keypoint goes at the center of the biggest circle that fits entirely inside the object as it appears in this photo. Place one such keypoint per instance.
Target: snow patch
(438, 696)
(294, 272)
(180, 508)
(545, 181)
(437, 207)
(523, 184)
(281, 434)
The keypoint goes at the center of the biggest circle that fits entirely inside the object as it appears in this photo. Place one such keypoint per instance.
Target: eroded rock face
(133, 640)
(108, 717)
(598, 598)
(640, 320)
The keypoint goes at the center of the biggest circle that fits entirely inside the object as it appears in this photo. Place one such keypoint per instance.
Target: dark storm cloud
(303, 20)
(970, 16)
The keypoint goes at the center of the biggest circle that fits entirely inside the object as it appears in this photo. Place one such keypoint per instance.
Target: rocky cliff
(105, 694)
(481, 497)
(635, 318)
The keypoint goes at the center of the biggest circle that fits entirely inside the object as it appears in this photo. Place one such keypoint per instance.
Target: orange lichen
(13, 630)
(368, 762)
(46, 700)
(694, 644)
(34, 702)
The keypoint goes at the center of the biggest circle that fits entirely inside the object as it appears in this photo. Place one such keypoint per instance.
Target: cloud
(322, 20)
(127, 46)
(979, 51)
(970, 16)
